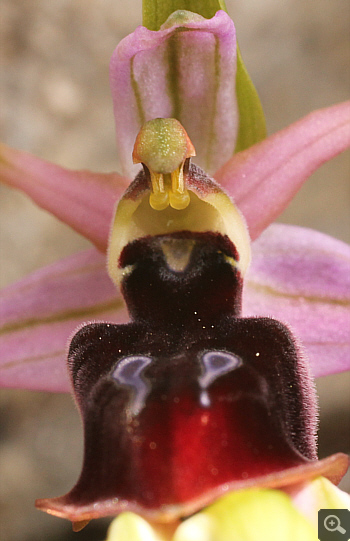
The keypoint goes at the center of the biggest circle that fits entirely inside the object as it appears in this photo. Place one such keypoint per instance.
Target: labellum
(189, 400)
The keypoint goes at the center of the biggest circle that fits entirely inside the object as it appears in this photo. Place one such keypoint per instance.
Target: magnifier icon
(332, 524)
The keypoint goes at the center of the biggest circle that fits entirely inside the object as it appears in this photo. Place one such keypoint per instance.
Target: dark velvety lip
(165, 414)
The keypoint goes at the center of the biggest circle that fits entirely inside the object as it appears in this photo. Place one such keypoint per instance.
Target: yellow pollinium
(163, 146)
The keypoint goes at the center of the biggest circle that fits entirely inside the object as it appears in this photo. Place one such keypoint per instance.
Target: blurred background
(57, 105)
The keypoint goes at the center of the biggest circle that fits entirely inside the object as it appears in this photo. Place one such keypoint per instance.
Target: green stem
(156, 12)
(252, 127)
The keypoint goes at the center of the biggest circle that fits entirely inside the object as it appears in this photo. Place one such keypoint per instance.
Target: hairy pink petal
(82, 199)
(186, 71)
(264, 178)
(40, 313)
(302, 278)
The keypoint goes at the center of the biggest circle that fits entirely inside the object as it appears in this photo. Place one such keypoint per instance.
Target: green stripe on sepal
(156, 12)
(252, 126)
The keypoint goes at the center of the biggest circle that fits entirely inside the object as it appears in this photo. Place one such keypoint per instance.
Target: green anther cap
(162, 145)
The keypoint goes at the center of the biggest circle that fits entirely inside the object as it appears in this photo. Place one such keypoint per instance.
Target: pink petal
(82, 199)
(193, 81)
(302, 278)
(40, 313)
(264, 178)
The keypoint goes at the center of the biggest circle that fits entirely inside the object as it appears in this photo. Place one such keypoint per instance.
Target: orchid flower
(41, 311)
(283, 281)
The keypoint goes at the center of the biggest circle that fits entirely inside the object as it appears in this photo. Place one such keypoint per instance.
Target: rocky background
(56, 104)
